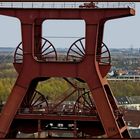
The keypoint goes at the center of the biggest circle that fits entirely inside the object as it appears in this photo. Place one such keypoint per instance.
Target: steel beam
(56, 117)
(69, 0)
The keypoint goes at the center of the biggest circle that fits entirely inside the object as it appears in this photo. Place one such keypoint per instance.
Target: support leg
(11, 107)
(105, 110)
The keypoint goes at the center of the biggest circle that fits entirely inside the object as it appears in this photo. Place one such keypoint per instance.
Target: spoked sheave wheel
(84, 105)
(37, 102)
(103, 55)
(48, 52)
(76, 51)
(18, 56)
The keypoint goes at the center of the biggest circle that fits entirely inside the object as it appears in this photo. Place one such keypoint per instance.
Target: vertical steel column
(75, 129)
(96, 86)
(39, 129)
(36, 52)
(38, 37)
(22, 84)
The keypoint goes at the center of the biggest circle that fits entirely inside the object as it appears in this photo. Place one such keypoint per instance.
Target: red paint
(34, 68)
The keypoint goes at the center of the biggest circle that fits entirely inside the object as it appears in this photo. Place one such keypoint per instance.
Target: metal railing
(125, 78)
(65, 4)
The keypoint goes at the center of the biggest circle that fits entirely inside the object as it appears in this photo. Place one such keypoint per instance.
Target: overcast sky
(124, 32)
(120, 33)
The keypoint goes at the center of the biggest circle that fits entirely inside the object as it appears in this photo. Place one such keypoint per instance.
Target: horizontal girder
(56, 117)
(69, 0)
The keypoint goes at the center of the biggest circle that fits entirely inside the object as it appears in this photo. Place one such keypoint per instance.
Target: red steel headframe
(89, 70)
